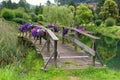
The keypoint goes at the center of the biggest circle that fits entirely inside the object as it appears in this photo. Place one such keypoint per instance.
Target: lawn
(29, 69)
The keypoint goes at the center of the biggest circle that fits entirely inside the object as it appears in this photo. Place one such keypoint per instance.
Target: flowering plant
(54, 26)
(38, 31)
(25, 27)
(64, 31)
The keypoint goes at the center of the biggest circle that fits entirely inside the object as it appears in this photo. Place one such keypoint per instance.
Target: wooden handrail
(51, 34)
(85, 47)
(84, 33)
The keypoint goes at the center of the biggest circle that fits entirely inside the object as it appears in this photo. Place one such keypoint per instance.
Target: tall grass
(9, 52)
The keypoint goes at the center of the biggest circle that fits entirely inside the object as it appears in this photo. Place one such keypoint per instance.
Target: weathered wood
(86, 48)
(63, 40)
(48, 44)
(52, 35)
(85, 33)
(55, 53)
(94, 48)
(40, 41)
(48, 61)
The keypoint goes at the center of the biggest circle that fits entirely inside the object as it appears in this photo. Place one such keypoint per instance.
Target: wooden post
(94, 48)
(55, 53)
(30, 35)
(63, 40)
(75, 46)
(40, 41)
(48, 44)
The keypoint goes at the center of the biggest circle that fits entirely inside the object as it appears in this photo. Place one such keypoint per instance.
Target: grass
(29, 69)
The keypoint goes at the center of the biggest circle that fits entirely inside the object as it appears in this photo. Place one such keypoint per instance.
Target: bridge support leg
(94, 47)
(40, 42)
(48, 44)
(55, 53)
(44, 68)
(63, 40)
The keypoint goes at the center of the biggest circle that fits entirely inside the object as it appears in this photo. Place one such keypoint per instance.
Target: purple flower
(20, 28)
(25, 27)
(64, 31)
(80, 28)
(37, 31)
(56, 28)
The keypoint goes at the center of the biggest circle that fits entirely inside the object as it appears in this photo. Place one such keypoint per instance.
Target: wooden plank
(86, 48)
(52, 35)
(69, 57)
(85, 33)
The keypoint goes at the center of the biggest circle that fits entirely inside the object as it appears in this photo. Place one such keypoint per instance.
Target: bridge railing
(54, 38)
(50, 36)
(92, 51)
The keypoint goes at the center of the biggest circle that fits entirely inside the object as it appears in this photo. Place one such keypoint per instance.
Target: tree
(118, 2)
(58, 14)
(8, 4)
(109, 9)
(83, 14)
(99, 5)
(48, 3)
(25, 5)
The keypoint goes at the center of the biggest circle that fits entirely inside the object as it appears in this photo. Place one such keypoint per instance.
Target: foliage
(24, 4)
(8, 4)
(118, 2)
(8, 41)
(48, 3)
(98, 22)
(109, 9)
(58, 14)
(7, 14)
(20, 20)
(99, 5)
(83, 14)
(40, 17)
(38, 10)
(118, 24)
(34, 17)
(18, 14)
(110, 22)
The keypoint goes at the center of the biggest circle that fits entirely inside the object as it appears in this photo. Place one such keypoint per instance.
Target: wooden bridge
(63, 55)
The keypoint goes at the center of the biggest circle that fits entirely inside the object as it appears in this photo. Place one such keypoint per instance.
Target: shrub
(33, 17)
(98, 22)
(20, 20)
(109, 22)
(8, 14)
(118, 24)
(40, 17)
(26, 16)
(18, 14)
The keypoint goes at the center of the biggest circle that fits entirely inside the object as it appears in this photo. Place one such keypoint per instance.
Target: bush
(20, 20)
(40, 17)
(18, 14)
(109, 22)
(118, 24)
(33, 17)
(98, 22)
(8, 14)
